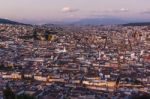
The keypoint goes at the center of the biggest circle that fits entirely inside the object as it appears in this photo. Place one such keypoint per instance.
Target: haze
(42, 11)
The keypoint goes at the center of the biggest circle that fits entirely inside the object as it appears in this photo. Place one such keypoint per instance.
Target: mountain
(6, 21)
(138, 24)
(101, 21)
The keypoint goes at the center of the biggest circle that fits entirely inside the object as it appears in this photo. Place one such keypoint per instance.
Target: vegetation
(9, 94)
(138, 24)
(2, 67)
(25, 96)
(26, 37)
(144, 96)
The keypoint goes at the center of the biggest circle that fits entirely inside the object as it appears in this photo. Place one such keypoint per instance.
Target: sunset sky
(61, 10)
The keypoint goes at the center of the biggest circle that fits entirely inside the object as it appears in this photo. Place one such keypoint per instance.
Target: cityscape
(105, 58)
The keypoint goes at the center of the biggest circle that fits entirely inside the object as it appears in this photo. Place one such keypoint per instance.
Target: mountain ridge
(101, 21)
(137, 24)
(7, 21)
(88, 21)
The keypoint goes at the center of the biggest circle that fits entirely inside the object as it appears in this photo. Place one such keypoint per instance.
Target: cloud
(118, 10)
(124, 10)
(69, 9)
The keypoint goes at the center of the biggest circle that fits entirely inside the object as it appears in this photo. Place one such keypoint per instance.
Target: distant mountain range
(101, 21)
(90, 21)
(111, 21)
(6, 21)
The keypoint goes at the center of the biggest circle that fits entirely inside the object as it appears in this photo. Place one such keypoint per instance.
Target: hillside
(6, 21)
(138, 24)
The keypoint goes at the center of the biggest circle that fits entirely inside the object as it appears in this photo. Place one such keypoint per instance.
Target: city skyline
(74, 49)
(42, 11)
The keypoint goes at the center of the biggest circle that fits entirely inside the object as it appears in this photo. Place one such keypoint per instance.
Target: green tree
(8, 93)
(25, 96)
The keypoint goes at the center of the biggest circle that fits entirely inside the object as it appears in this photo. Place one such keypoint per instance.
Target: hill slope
(138, 24)
(6, 21)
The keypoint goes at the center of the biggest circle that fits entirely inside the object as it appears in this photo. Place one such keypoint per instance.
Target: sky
(40, 11)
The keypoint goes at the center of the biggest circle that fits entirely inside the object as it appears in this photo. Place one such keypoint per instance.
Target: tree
(8, 93)
(25, 96)
(144, 96)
